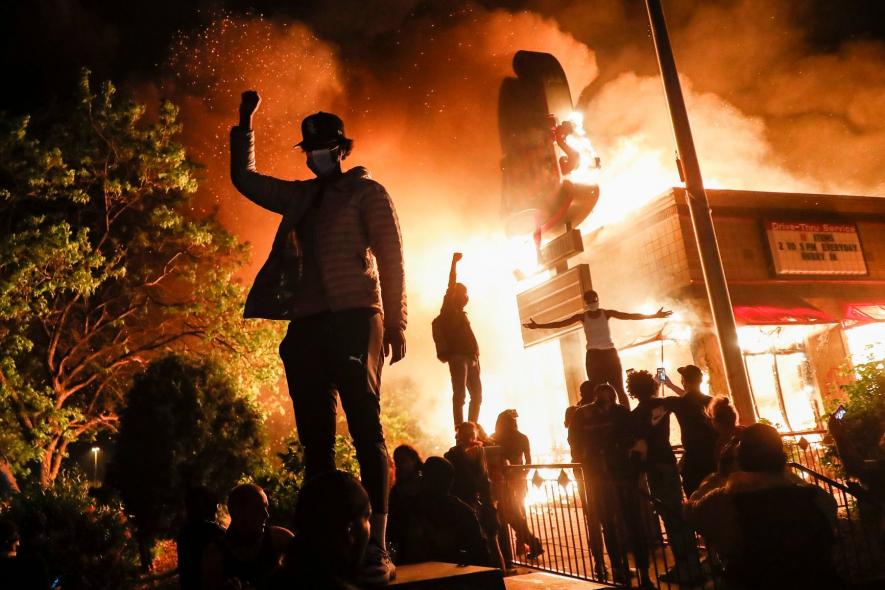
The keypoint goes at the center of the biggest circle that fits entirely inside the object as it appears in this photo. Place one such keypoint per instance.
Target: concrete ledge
(434, 575)
(539, 580)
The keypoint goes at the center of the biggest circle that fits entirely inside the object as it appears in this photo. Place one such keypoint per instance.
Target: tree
(53, 521)
(103, 267)
(864, 402)
(185, 424)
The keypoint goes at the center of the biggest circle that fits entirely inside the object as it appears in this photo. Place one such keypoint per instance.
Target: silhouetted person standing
(603, 435)
(336, 271)
(651, 423)
(404, 496)
(576, 422)
(456, 345)
(517, 450)
(603, 362)
(698, 435)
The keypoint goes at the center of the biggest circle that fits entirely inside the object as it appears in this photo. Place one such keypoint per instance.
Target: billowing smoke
(418, 93)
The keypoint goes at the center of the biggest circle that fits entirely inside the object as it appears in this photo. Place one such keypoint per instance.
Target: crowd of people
(455, 509)
(762, 526)
(731, 485)
(336, 274)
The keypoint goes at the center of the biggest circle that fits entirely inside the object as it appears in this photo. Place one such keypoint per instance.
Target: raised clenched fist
(249, 102)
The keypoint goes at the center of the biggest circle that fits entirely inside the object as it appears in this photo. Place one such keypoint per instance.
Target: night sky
(46, 42)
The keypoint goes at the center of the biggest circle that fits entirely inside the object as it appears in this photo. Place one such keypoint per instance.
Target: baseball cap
(690, 372)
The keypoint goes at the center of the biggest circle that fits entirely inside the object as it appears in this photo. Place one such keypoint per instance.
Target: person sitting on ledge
(199, 530)
(250, 550)
(332, 533)
(446, 529)
(472, 482)
(403, 504)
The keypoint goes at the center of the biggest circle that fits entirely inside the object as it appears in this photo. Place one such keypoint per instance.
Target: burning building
(431, 142)
(806, 273)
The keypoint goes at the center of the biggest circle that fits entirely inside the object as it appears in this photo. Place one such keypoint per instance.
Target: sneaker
(378, 569)
(621, 576)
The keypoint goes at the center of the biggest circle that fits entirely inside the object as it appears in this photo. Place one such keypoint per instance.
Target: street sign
(558, 298)
(561, 248)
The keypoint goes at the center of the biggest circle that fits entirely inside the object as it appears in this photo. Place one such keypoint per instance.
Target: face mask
(593, 306)
(322, 162)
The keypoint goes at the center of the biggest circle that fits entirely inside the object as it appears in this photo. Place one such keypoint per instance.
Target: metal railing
(599, 532)
(809, 449)
(858, 553)
(557, 521)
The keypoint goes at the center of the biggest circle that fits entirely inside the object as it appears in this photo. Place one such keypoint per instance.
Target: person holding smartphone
(602, 362)
(698, 434)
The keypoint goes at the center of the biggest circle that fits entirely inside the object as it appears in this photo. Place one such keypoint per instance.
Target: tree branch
(126, 358)
(6, 472)
(166, 271)
(57, 331)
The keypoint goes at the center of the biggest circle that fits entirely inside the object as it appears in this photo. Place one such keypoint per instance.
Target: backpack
(439, 339)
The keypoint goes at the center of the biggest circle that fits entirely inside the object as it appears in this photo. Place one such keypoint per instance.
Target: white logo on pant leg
(360, 360)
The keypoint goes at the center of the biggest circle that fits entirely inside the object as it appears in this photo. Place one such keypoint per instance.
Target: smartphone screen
(840, 413)
(662, 375)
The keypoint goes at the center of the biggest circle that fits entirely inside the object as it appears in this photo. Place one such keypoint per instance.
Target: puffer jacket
(359, 246)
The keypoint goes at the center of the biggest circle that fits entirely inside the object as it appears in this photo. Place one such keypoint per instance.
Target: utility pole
(702, 221)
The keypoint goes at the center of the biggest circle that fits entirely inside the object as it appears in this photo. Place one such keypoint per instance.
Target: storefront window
(781, 377)
(866, 342)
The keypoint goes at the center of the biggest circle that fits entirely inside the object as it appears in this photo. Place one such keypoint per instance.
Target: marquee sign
(815, 248)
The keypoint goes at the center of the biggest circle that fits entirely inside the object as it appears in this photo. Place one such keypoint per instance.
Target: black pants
(604, 366)
(339, 351)
(617, 505)
(465, 378)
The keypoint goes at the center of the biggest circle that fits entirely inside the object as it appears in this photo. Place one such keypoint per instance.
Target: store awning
(864, 312)
(751, 309)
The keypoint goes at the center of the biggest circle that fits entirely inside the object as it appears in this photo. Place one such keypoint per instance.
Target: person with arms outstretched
(336, 272)
(603, 362)
(456, 345)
